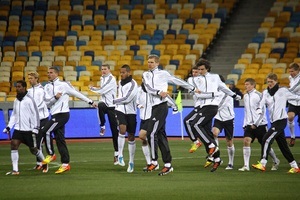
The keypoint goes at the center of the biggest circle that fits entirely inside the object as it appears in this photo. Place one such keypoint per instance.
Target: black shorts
(26, 137)
(258, 133)
(127, 119)
(227, 126)
(296, 110)
(144, 124)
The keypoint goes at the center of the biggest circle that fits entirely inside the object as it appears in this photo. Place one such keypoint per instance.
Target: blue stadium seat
(80, 43)
(22, 38)
(145, 37)
(172, 16)
(37, 53)
(89, 53)
(76, 22)
(97, 62)
(147, 11)
(175, 62)
(190, 21)
(72, 33)
(80, 68)
(155, 52)
(89, 22)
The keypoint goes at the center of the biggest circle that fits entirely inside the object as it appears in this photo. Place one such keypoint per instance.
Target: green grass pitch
(93, 175)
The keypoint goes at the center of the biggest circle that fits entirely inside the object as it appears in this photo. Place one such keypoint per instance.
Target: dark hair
(105, 65)
(195, 67)
(205, 63)
(222, 78)
(272, 76)
(55, 68)
(251, 81)
(23, 83)
(294, 66)
(127, 67)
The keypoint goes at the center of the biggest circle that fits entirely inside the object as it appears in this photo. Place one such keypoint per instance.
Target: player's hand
(175, 111)
(237, 97)
(35, 131)
(6, 130)
(163, 94)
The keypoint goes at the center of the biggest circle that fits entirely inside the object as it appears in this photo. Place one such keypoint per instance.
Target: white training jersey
(251, 104)
(61, 105)
(276, 104)
(226, 108)
(37, 93)
(144, 104)
(126, 100)
(295, 88)
(25, 115)
(191, 80)
(107, 90)
(157, 80)
(211, 83)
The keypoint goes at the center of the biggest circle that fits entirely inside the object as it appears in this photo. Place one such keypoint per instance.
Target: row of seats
(79, 37)
(275, 46)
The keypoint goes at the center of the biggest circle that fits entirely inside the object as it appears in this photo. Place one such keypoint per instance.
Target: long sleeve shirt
(25, 115)
(191, 80)
(295, 88)
(211, 83)
(37, 93)
(143, 101)
(107, 90)
(61, 105)
(126, 101)
(276, 104)
(226, 108)
(251, 104)
(157, 80)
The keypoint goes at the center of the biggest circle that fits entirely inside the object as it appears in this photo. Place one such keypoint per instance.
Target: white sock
(273, 155)
(196, 142)
(154, 162)
(121, 143)
(217, 141)
(263, 162)
(116, 153)
(146, 152)
(231, 151)
(291, 126)
(167, 164)
(294, 164)
(15, 159)
(247, 154)
(211, 145)
(40, 155)
(131, 149)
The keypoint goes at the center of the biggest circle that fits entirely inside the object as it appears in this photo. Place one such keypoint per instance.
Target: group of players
(213, 100)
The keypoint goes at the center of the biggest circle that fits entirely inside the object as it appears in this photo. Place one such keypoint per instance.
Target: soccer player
(108, 91)
(293, 105)
(144, 104)
(156, 84)
(255, 125)
(196, 143)
(201, 124)
(274, 97)
(57, 95)
(224, 120)
(37, 93)
(126, 114)
(26, 122)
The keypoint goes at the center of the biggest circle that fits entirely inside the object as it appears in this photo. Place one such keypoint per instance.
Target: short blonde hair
(156, 57)
(34, 74)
